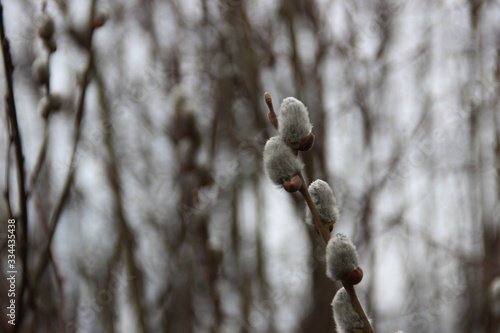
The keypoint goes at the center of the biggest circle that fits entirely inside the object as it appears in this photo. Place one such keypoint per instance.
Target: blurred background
(147, 206)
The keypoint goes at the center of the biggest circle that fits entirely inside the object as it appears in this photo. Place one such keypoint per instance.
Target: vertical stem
(127, 241)
(367, 327)
(323, 231)
(21, 183)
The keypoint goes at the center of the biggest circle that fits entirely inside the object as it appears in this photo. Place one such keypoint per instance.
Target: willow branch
(45, 256)
(67, 184)
(6, 192)
(271, 114)
(40, 159)
(21, 183)
(127, 242)
(322, 230)
(367, 327)
(43, 150)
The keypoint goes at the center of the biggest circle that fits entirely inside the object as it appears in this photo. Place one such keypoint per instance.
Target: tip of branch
(271, 115)
(268, 98)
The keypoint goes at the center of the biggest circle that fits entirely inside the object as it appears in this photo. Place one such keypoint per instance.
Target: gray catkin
(345, 316)
(324, 200)
(280, 161)
(293, 119)
(341, 257)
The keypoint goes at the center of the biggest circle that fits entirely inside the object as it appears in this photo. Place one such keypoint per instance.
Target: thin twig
(44, 258)
(43, 150)
(323, 231)
(16, 137)
(271, 115)
(127, 243)
(6, 192)
(367, 327)
(40, 159)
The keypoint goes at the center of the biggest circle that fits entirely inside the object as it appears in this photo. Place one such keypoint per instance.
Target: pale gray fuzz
(293, 120)
(280, 161)
(341, 257)
(344, 314)
(324, 200)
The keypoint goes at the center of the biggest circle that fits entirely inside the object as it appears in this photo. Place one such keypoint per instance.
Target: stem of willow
(323, 231)
(367, 327)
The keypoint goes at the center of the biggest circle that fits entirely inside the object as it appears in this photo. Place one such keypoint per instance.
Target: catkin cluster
(280, 152)
(283, 165)
(40, 67)
(284, 169)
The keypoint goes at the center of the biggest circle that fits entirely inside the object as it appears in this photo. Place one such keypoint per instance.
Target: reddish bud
(99, 19)
(293, 185)
(307, 143)
(354, 277)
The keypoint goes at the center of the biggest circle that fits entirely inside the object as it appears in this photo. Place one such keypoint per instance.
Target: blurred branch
(6, 193)
(69, 179)
(40, 160)
(16, 138)
(45, 256)
(287, 11)
(43, 150)
(322, 230)
(127, 243)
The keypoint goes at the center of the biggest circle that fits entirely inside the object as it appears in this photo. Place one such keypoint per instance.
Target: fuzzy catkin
(345, 316)
(324, 200)
(280, 161)
(341, 257)
(293, 118)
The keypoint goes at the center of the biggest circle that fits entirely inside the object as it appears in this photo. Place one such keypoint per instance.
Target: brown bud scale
(354, 277)
(293, 185)
(307, 143)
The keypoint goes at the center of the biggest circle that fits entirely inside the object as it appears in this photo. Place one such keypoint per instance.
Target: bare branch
(45, 256)
(16, 138)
